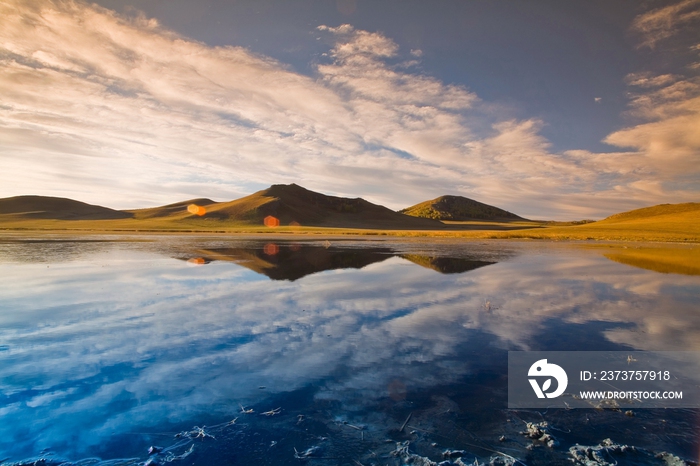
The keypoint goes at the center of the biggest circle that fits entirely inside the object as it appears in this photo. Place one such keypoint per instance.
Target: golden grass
(655, 211)
(493, 225)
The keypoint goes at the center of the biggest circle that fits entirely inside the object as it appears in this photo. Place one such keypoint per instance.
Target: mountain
(458, 208)
(293, 205)
(59, 208)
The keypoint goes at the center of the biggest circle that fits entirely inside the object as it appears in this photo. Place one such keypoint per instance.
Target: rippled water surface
(231, 351)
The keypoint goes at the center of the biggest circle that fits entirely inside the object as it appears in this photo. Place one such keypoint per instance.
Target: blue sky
(548, 109)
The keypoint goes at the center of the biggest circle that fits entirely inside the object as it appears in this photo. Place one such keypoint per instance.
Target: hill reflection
(294, 261)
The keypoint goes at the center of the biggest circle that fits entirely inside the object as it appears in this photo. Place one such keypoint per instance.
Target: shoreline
(553, 234)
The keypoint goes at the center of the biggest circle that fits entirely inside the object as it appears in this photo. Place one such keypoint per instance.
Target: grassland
(323, 215)
(676, 231)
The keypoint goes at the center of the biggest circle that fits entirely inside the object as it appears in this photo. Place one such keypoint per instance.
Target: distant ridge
(59, 208)
(458, 208)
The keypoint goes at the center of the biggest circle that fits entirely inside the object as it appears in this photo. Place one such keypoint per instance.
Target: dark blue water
(110, 347)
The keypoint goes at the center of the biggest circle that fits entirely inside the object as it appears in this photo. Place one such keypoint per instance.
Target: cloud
(669, 139)
(646, 79)
(125, 113)
(664, 22)
(661, 148)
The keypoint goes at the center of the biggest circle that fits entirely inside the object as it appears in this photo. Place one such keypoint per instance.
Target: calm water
(110, 347)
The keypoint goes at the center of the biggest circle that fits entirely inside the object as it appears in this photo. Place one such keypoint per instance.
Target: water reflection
(446, 264)
(294, 261)
(668, 259)
(126, 340)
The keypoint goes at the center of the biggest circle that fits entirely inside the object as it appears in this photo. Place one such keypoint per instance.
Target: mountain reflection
(446, 265)
(294, 261)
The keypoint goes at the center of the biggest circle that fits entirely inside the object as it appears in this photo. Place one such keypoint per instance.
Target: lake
(219, 350)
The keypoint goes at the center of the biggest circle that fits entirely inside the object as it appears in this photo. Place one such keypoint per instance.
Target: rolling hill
(664, 222)
(290, 205)
(299, 210)
(655, 213)
(458, 208)
(293, 205)
(57, 208)
(668, 221)
(178, 209)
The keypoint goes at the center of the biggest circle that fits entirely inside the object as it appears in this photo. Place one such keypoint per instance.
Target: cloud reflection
(128, 339)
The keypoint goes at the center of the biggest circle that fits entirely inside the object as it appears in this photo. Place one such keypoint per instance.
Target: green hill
(458, 208)
(58, 208)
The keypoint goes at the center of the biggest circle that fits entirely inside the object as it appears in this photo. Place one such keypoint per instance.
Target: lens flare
(294, 224)
(196, 209)
(271, 222)
(271, 249)
(197, 261)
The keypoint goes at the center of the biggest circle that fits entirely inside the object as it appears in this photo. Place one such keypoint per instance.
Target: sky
(548, 109)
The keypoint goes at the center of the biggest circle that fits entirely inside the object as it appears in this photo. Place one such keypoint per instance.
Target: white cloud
(647, 80)
(125, 113)
(664, 22)
(342, 29)
(669, 138)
